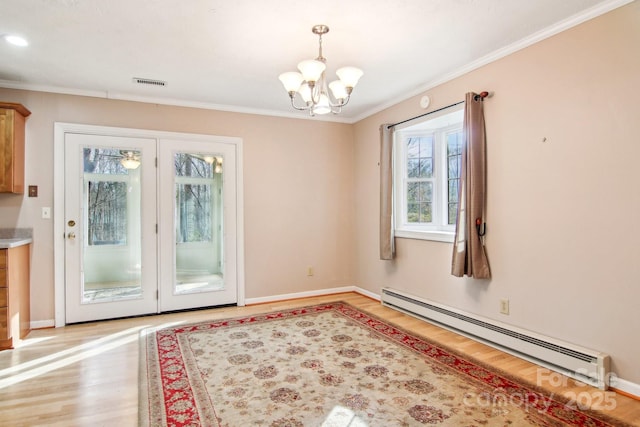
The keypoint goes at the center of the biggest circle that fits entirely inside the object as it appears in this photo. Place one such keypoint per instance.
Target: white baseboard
(366, 293)
(625, 386)
(320, 292)
(42, 324)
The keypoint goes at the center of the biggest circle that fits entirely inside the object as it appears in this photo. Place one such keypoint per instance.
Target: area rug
(327, 365)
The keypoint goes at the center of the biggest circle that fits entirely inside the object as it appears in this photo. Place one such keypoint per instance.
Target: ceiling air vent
(151, 82)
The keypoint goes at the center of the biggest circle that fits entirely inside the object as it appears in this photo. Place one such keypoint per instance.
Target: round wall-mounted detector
(424, 101)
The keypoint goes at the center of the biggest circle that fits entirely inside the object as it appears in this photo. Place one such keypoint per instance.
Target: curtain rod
(482, 96)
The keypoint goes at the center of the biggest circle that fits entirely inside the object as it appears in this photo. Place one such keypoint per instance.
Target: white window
(427, 158)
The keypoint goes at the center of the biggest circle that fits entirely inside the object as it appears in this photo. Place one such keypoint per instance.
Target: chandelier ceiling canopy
(311, 84)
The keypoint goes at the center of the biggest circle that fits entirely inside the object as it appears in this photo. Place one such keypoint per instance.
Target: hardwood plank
(86, 375)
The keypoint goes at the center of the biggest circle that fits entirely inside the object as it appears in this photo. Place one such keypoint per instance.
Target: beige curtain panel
(387, 247)
(469, 256)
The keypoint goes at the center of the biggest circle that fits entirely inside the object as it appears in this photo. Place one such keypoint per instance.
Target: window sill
(436, 236)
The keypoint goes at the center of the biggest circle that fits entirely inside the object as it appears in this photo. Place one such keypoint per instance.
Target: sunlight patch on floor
(25, 342)
(33, 368)
(343, 417)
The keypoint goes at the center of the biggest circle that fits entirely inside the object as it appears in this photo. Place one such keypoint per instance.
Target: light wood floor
(86, 375)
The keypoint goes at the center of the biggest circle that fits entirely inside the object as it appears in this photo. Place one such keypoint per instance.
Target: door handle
(71, 235)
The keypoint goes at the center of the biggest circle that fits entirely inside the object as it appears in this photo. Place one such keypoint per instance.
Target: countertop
(14, 237)
(14, 242)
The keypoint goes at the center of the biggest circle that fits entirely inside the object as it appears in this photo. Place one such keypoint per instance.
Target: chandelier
(311, 84)
(130, 159)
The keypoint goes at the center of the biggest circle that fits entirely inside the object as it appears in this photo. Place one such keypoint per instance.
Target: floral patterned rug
(328, 365)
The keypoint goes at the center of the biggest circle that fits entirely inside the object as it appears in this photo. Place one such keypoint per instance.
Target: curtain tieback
(481, 227)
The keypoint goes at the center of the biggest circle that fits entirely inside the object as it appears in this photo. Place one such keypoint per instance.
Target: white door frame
(58, 199)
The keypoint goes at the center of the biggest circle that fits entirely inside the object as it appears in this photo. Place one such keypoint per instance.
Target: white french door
(197, 224)
(150, 223)
(110, 236)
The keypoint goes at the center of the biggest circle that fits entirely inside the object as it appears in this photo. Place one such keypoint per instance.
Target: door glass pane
(111, 203)
(198, 218)
(107, 219)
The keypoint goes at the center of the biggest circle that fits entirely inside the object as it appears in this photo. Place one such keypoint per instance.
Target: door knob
(71, 235)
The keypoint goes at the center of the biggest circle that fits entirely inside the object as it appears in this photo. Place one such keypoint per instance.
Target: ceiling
(228, 54)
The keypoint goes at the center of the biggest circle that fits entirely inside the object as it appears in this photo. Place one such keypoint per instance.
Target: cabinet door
(6, 150)
(4, 297)
(11, 151)
(5, 331)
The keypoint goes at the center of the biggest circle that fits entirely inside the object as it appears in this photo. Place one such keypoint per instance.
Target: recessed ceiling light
(16, 40)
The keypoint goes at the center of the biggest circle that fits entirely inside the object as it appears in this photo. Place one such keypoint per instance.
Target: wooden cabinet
(15, 316)
(12, 121)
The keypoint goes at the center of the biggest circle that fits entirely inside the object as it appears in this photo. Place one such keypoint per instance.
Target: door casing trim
(60, 129)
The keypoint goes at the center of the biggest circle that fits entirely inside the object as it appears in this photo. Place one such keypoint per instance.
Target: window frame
(439, 126)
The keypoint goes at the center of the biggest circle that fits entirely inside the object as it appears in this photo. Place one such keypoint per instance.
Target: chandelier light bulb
(338, 90)
(349, 76)
(305, 93)
(311, 70)
(291, 81)
(323, 106)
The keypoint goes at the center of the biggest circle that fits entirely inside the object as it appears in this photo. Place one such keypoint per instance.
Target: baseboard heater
(582, 364)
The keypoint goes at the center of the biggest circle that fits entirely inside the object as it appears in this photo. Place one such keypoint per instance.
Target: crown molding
(543, 34)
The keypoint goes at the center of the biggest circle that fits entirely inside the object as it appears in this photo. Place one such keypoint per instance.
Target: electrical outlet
(309, 271)
(504, 306)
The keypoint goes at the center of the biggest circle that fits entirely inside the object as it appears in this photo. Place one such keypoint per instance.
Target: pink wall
(563, 215)
(298, 187)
